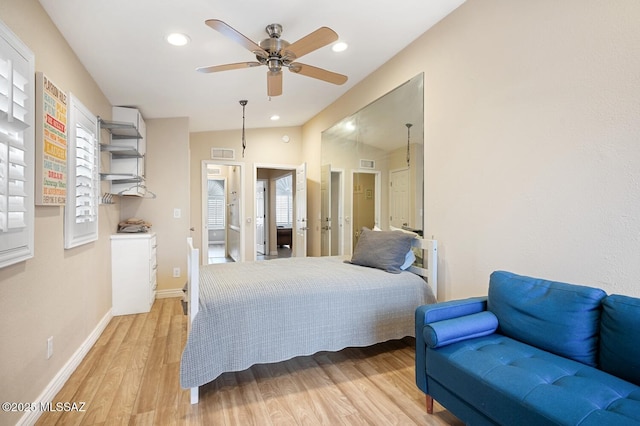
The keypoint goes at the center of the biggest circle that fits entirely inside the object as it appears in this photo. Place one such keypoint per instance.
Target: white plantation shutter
(284, 201)
(83, 181)
(215, 204)
(16, 149)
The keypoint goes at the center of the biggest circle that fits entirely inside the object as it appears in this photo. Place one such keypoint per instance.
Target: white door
(300, 243)
(399, 198)
(261, 217)
(336, 213)
(325, 194)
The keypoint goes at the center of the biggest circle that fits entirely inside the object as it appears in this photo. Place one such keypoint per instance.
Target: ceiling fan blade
(229, 32)
(319, 73)
(315, 40)
(274, 83)
(226, 67)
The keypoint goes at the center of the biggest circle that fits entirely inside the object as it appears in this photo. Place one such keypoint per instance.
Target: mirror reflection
(373, 169)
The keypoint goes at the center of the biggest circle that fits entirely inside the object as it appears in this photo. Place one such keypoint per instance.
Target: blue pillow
(620, 337)
(557, 317)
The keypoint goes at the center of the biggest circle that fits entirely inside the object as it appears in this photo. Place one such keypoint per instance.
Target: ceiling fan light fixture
(276, 53)
(178, 39)
(340, 46)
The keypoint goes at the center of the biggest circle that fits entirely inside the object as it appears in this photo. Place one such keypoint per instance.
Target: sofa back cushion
(619, 337)
(560, 318)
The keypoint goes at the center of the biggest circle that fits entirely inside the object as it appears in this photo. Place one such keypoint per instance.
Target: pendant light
(244, 142)
(408, 142)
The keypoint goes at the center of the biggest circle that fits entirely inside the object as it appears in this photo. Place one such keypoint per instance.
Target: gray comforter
(270, 311)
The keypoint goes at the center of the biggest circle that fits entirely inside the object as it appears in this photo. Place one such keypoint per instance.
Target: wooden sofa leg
(429, 404)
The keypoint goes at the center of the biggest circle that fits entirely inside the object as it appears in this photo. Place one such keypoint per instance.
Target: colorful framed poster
(51, 143)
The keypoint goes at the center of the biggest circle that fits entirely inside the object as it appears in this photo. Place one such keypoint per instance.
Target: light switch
(177, 213)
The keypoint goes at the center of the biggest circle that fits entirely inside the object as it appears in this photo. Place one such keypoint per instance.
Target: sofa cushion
(514, 383)
(619, 342)
(558, 317)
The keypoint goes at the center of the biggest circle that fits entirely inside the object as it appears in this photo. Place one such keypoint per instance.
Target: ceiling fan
(277, 53)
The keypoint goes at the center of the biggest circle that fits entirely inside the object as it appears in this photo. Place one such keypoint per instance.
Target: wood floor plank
(350, 385)
(131, 376)
(169, 395)
(125, 398)
(279, 413)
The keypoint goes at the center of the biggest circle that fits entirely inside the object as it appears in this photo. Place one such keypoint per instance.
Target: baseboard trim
(54, 386)
(165, 294)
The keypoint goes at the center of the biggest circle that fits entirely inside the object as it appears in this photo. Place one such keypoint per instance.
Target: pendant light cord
(408, 142)
(244, 142)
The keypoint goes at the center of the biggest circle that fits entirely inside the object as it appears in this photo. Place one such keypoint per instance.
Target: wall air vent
(223, 154)
(367, 164)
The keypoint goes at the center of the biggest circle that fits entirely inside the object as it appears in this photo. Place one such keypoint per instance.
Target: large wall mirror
(373, 169)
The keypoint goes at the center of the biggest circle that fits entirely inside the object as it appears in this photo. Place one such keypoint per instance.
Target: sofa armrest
(427, 314)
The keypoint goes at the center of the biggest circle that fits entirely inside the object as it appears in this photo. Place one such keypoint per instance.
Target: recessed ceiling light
(275, 117)
(340, 46)
(178, 39)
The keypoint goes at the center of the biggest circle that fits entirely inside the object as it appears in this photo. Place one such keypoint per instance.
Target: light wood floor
(131, 376)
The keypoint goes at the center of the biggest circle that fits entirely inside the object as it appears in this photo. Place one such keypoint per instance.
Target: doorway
(283, 231)
(262, 242)
(331, 190)
(221, 200)
(365, 202)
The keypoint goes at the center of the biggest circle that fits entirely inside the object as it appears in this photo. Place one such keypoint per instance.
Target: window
(284, 201)
(17, 82)
(83, 183)
(215, 201)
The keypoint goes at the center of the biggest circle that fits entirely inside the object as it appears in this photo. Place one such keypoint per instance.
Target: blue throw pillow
(560, 318)
(446, 332)
(620, 337)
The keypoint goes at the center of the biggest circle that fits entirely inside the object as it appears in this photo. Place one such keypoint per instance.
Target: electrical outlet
(176, 272)
(49, 347)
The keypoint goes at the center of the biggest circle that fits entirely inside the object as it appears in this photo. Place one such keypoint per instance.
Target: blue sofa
(533, 352)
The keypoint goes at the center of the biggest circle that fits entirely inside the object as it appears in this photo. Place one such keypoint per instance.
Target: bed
(241, 314)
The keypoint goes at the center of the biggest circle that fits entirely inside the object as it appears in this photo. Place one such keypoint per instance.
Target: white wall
(531, 140)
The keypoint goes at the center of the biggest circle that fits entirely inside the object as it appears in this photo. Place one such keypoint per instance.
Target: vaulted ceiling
(122, 44)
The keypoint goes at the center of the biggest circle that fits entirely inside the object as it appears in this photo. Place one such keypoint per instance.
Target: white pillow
(408, 260)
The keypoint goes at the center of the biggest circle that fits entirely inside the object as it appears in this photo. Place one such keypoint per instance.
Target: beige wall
(59, 293)
(167, 176)
(531, 158)
(265, 148)
(531, 141)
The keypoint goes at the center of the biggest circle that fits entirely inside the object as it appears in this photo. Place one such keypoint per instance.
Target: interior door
(336, 231)
(300, 243)
(399, 198)
(326, 195)
(261, 217)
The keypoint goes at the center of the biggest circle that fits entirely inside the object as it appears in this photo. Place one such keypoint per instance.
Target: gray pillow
(384, 250)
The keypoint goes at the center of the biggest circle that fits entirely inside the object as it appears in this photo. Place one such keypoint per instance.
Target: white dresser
(133, 272)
